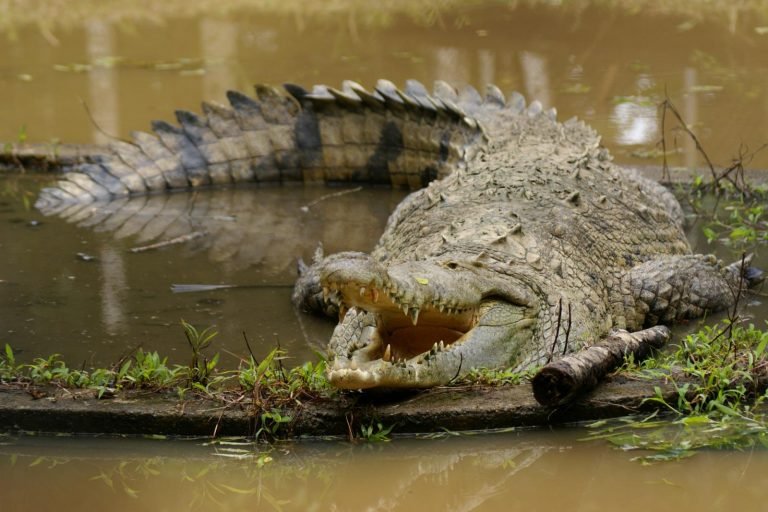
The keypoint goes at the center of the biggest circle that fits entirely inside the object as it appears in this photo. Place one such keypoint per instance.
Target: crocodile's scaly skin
(526, 242)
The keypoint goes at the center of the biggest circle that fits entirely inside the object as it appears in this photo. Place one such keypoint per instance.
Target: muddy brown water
(530, 470)
(71, 285)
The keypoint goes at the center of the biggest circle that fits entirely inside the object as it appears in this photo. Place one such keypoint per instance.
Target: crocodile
(522, 241)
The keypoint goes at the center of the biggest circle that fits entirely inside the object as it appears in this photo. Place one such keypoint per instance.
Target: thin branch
(332, 195)
(557, 330)
(567, 330)
(248, 346)
(93, 120)
(668, 105)
(458, 371)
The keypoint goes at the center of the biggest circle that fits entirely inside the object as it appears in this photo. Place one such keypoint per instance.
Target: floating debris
(85, 257)
(173, 241)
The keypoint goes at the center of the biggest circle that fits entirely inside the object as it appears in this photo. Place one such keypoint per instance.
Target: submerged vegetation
(720, 374)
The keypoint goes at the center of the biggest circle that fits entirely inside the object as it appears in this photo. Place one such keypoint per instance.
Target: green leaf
(710, 234)
(9, 355)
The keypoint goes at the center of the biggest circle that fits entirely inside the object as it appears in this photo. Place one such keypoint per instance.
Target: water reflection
(448, 475)
(102, 82)
(536, 471)
(219, 45)
(536, 77)
(635, 123)
(452, 65)
(535, 49)
(249, 237)
(691, 113)
(113, 288)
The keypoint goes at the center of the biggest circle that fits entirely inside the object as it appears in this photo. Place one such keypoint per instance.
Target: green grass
(272, 388)
(719, 374)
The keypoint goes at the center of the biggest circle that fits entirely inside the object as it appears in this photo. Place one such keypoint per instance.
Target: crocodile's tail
(403, 138)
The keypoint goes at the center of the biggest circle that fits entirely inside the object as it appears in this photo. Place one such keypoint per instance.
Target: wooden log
(560, 381)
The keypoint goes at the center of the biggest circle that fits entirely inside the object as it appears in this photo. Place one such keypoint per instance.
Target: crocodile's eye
(452, 265)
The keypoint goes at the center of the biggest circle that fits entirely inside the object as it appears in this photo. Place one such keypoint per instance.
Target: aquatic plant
(719, 374)
(201, 368)
(375, 432)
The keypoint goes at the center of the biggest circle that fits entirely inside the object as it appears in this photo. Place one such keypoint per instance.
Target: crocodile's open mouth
(375, 328)
(420, 323)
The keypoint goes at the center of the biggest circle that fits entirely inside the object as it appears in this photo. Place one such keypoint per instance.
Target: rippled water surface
(610, 62)
(530, 470)
(72, 285)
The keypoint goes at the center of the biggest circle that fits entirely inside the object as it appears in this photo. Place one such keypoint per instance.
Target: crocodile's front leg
(668, 289)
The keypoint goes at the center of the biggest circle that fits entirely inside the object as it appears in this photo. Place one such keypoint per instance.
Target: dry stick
(667, 104)
(740, 182)
(458, 370)
(99, 128)
(349, 418)
(119, 364)
(307, 206)
(733, 315)
(665, 175)
(280, 362)
(561, 381)
(557, 330)
(173, 241)
(248, 346)
(567, 330)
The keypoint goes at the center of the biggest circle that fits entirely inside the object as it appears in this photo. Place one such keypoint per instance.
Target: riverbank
(56, 410)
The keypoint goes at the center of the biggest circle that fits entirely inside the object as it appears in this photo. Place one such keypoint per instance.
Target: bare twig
(557, 330)
(668, 105)
(665, 175)
(567, 330)
(93, 121)
(173, 241)
(349, 418)
(248, 346)
(320, 199)
(458, 370)
(280, 362)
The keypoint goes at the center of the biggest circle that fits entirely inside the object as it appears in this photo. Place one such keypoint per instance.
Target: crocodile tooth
(353, 365)
(434, 348)
(362, 291)
(387, 353)
(414, 314)
(375, 295)
(326, 292)
(442, 345)
(405, 309)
